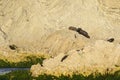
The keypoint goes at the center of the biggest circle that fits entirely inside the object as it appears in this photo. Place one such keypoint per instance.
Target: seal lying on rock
(64, 58)
(72, 28)
(13, 47)
(80, 31)
(110, 40)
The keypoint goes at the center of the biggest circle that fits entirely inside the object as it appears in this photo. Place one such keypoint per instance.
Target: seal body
(13, 47)
(80, 31)
(84, 33)
(72, 28)
(110, 40)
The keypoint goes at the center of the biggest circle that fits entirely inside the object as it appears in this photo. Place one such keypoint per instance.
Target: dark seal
(80, 31)
(13, 47)
(83, 32)
(110, 40)
(64, 58)
(72, 28)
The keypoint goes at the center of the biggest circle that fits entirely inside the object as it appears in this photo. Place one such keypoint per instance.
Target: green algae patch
(27, 63)
(26, 75)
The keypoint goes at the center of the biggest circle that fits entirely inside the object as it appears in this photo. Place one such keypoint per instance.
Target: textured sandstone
(92, 58)
(41, 26)
(32, 23)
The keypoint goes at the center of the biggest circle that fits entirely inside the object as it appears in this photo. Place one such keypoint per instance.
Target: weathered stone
(41, 26)
(92, 58)
(30, 24)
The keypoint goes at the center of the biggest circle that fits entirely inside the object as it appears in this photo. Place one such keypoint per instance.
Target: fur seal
(110, 40)
(84, 33)
(13, 47)
(72, 28)
(64, 58)
(80, 31)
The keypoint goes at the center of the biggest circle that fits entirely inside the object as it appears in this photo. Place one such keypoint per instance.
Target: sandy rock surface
(33, 25)
(88, 60)
(41, 26)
